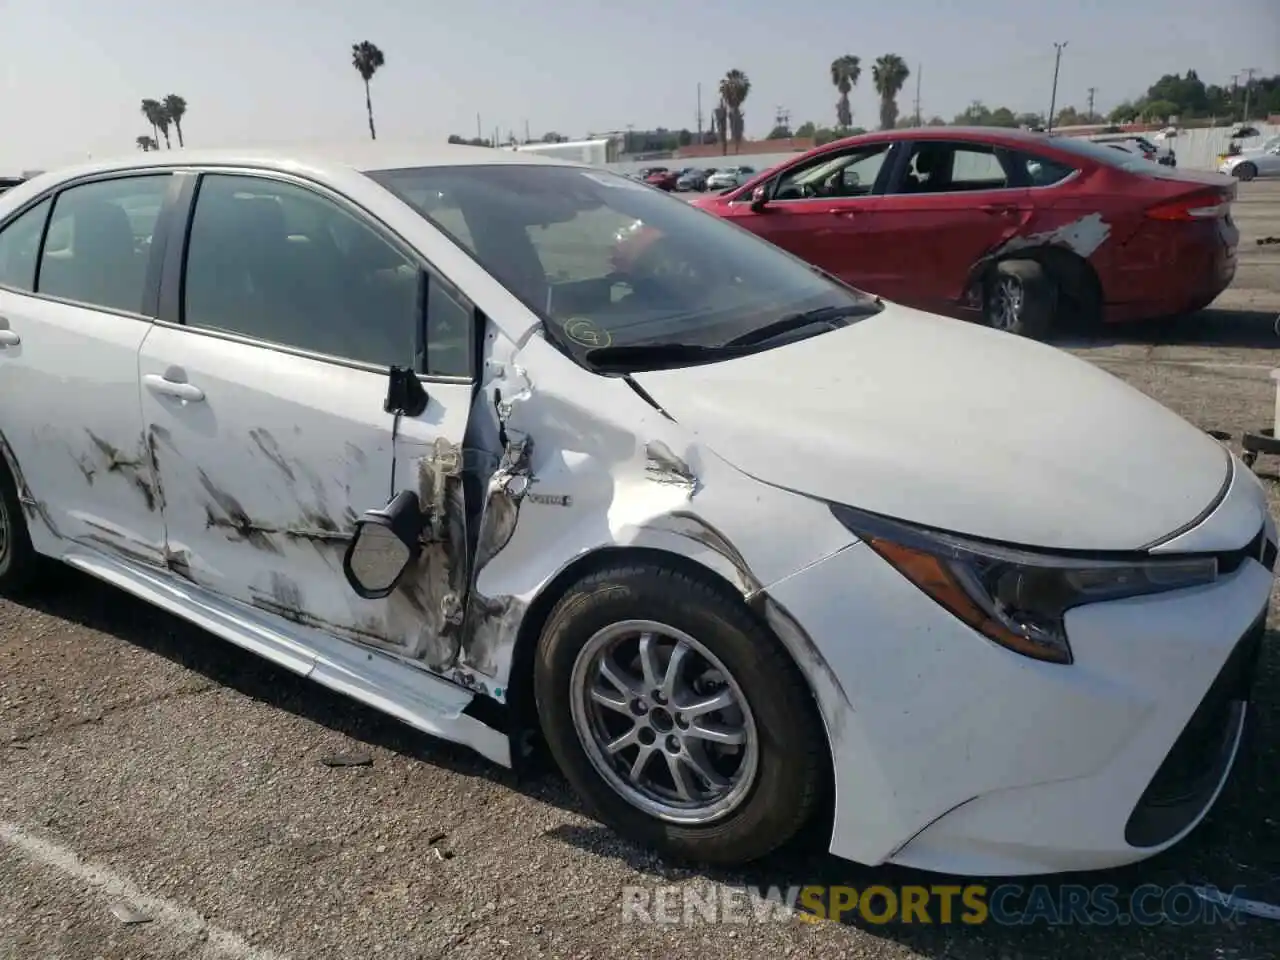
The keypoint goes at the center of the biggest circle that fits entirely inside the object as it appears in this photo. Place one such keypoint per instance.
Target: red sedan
(1026, 230)
(662, 178)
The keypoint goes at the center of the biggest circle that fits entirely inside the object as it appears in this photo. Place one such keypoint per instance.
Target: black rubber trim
(1207, 511)
(1201, 758)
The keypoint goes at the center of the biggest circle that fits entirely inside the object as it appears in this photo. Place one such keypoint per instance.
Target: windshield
(606, 261)
(1101, 153)
(1270, 144)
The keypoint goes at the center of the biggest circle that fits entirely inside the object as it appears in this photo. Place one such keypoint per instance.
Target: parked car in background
(1029, 232)
(692, 178)
(662, 178)
(1161, 152)
(728, 177)
(745, 548)
(1261, 161)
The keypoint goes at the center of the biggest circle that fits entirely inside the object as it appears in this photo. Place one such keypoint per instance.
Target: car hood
(957, 427)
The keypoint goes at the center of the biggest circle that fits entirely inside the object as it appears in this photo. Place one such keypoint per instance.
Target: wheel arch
(1074, 276)
(522, 710)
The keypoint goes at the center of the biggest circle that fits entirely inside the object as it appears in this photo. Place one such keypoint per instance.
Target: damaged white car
(744, 545)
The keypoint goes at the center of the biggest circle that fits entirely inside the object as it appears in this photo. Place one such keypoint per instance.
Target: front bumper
(955, 755)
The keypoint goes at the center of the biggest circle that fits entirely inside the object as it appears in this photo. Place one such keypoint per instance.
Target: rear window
(1102, 153)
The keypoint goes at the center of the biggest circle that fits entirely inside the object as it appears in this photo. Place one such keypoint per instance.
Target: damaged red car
(1029, 232)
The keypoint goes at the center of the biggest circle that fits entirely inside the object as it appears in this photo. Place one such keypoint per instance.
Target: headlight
(1015, 597)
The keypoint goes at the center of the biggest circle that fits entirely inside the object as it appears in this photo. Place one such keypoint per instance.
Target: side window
(99, 242)
(277, 262)
(1041, 171)
(450, 342)
(20, 246)
(952, 168)
(849, 174)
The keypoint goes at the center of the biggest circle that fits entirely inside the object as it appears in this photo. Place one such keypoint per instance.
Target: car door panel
(69, 402)
(836, 235)
(70, 412)
(932, 240)
(263, 394)
(263, 479)
(836, 231)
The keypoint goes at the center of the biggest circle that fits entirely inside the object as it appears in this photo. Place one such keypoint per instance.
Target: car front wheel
(678, 718)
(1245, 171)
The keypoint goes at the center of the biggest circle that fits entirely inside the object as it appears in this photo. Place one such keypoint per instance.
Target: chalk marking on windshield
(584, 332)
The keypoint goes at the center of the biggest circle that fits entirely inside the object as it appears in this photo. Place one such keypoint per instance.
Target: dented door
(264, 476)
(264, 392)
(69, 408)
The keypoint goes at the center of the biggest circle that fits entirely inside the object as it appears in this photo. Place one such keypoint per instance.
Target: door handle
(9, 339)
(998, 209)
(172, 388)
(843, 212)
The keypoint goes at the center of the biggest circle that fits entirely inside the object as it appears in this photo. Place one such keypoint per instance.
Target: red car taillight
(1201, 205)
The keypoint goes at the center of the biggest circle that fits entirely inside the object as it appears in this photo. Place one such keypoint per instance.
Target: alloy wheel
(1006, 305)
(664, 722)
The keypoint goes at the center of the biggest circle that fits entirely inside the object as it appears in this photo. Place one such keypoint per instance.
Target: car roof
(363, 157)
(981, 134)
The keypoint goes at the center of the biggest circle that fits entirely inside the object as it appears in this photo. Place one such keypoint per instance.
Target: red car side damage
(1119, 238)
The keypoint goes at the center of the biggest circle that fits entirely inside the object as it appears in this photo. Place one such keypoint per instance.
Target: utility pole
(1053, 99)
(1248, 88)
(699, 114)
(1092, 91)
(526, 131)
(479, 135)
(919, 71)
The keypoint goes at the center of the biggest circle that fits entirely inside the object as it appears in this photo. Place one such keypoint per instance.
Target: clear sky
(72, 72)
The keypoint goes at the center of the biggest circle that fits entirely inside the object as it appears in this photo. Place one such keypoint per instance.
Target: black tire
(19, 563)
(1245, 171)
(1036, 309)
(793, 760)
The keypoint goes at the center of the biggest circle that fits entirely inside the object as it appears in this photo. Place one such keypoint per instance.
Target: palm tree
(367, 58)
(153, 110)
(162, 121)
(720, 121)
(175, 109)
(889, 72)
(845, 72)
(733, 92)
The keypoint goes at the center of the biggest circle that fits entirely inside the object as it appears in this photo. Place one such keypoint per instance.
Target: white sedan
(726, 178)
(1263, 161)
(743, 544)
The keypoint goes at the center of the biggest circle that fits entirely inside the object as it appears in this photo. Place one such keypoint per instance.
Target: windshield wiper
(657, 356)
(808, 318)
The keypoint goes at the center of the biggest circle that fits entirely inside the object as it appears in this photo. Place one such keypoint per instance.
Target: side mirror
(386, 542)
(759, 199)
(405, 393)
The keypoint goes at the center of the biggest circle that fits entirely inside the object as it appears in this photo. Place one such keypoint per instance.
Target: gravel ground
(150, 769)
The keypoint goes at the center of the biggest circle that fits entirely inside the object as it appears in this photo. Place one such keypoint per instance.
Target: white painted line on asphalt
(219, 942)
